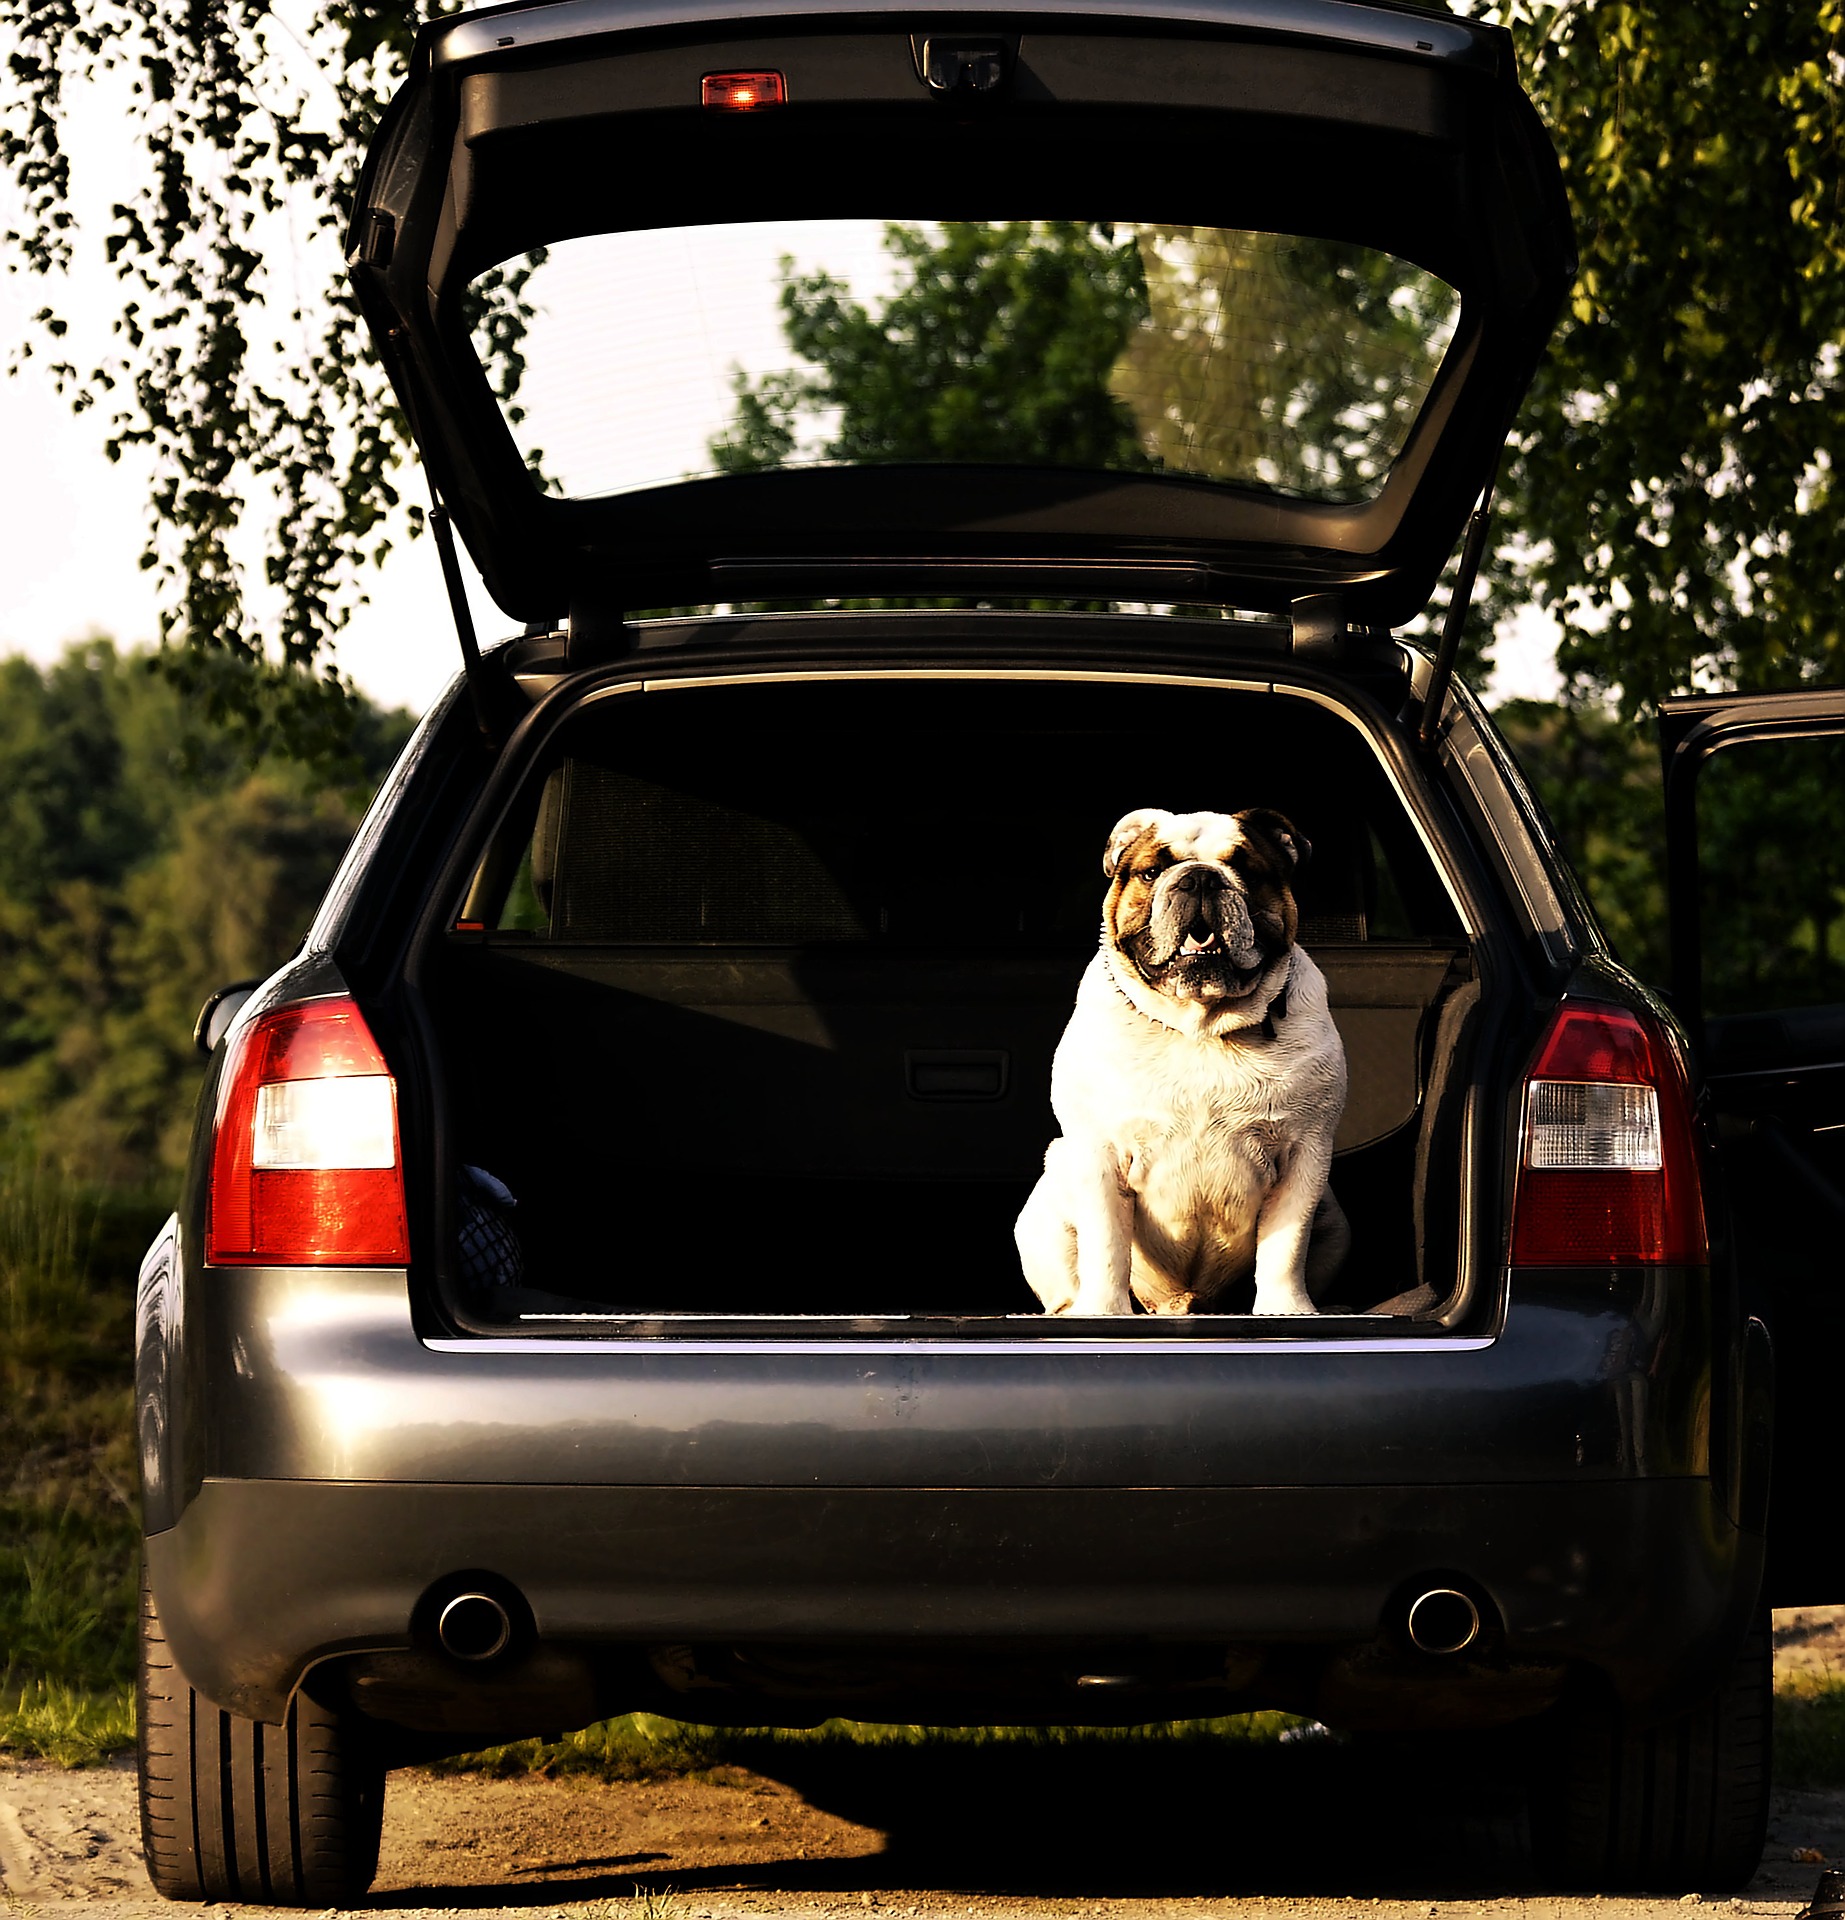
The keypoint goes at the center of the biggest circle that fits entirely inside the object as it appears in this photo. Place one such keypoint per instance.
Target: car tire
(235, 1809)
(1678, 1806)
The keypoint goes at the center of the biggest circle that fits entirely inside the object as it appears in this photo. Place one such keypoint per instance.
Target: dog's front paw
(1106, 1309)
(1283, 1306)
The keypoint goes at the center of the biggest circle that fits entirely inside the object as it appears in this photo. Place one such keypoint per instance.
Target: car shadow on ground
(1389, 1819)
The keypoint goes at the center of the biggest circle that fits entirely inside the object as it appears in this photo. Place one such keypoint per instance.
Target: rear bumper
(1646, 1582)
(314, 1470)
(278, 1374)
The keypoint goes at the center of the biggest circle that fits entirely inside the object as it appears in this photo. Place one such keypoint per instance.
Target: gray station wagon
(594, 1289)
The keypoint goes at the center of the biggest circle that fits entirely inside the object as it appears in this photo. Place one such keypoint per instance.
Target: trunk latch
(956, 64)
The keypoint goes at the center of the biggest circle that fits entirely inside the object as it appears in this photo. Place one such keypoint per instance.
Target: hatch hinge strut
(444, 532)
(1472, 553)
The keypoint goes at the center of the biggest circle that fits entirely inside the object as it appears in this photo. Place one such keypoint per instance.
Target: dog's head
(1200, 916)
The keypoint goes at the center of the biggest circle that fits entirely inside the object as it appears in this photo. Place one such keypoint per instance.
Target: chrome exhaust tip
(1442, 1620)
(474, 1627)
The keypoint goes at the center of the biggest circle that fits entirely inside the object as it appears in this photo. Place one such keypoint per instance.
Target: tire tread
(1681, 1806)
(235, 1809)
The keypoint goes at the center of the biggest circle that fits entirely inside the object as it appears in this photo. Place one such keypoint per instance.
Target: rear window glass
(927, 816)
(631, 360)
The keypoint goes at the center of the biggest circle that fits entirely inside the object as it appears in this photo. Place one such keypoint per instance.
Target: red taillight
(1608, 1171)
(305, 1168)
(743, 92)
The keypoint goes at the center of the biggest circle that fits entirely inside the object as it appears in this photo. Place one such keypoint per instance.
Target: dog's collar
(1278, 1007)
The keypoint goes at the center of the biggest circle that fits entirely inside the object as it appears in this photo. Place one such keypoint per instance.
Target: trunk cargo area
(758, 986)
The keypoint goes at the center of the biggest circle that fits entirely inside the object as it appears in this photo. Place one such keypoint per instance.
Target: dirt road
(1303, 1832)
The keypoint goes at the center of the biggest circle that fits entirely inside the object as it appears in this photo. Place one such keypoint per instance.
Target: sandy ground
(1309, 1831)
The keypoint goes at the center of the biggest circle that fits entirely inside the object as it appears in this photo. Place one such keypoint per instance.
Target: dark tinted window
(1771, 853)
(916, 814)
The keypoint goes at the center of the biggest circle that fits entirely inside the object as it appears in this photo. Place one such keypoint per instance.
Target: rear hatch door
(1224, 300)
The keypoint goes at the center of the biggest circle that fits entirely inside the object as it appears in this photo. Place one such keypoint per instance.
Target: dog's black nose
(1200, 880)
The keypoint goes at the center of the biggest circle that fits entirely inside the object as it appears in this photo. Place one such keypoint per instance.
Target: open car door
(1755, 812)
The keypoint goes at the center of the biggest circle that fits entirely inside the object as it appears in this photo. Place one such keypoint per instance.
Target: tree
(1288, 360)
(1000, 336)
(1294, 362)
(143, 862)
(1672, 491)
(1671, 494)
(296, 432)
(1675, 470)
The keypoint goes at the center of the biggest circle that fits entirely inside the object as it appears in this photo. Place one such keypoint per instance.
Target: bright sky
(634, 338)
(72, 530)
(71, 524)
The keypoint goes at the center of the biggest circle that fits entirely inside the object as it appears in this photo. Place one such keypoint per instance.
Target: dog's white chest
(1214, 1144)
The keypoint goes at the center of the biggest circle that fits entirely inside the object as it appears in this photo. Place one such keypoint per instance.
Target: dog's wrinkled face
(1199, 904)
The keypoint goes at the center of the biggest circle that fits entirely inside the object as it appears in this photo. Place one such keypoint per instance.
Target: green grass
(1810, 1733)
(644, 1746)
(69, 1514)
(46, 1721)
(1809, 1742)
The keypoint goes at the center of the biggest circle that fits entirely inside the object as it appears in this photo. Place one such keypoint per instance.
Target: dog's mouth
(1232, 981)
(1202, 961)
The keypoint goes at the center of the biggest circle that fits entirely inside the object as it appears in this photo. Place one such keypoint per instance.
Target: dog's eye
(1149, 874)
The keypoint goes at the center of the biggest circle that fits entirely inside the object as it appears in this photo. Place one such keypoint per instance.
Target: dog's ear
(1128, 829)
(1280, 829)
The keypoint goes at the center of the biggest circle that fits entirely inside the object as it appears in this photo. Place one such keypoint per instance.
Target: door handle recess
(957, 1073)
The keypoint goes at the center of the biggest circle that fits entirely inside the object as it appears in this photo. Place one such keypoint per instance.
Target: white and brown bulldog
(1198, 1085)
